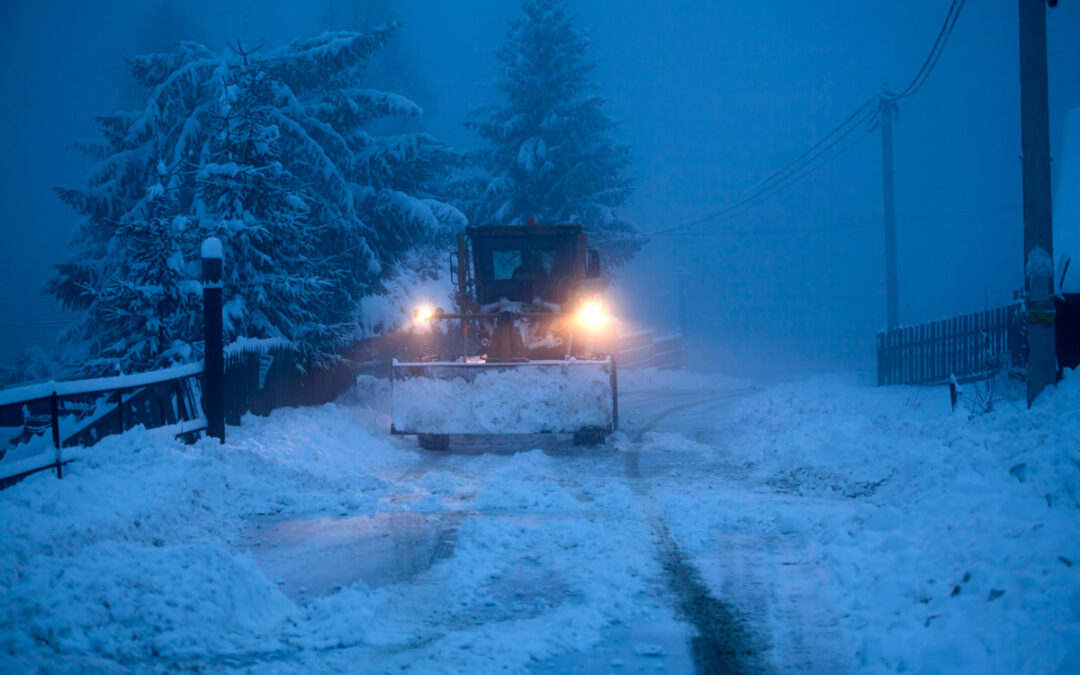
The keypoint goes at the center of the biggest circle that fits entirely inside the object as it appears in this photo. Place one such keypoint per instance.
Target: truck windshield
(517, 263)
(522, 268)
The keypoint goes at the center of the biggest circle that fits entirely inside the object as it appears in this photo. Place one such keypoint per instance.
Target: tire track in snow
(725, 642)
(799, 627)
(697, 400)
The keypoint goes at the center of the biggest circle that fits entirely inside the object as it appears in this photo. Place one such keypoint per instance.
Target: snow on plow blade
(504, 398)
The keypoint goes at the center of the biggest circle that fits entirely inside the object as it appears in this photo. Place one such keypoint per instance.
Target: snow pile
(129, 558)
(528, 398)
(143, 557)
(948, 539)
(525, 485)
(534, 497)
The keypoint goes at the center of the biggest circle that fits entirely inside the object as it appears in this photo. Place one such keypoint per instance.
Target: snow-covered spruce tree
(550, 154)
(270, 153)
(146, 309)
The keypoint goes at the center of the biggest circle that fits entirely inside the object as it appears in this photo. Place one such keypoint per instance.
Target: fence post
(214, 376)
(880, 359)
(684, 312)
(54, 404)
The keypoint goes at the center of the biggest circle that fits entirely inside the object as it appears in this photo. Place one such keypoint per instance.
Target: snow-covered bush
(550, 154)
(271, 152)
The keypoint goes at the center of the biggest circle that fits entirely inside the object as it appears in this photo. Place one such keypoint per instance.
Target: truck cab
(530, 262)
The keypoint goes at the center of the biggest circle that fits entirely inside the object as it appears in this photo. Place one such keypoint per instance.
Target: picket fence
(964, 347)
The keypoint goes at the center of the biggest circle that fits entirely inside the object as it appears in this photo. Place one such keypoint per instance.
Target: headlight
(592, 315)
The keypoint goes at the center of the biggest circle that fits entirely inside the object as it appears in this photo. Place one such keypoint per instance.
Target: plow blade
(532, 397)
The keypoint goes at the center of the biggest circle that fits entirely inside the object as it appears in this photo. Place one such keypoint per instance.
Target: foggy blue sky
(712, 96)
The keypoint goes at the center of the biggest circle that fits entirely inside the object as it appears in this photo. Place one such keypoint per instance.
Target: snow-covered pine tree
(143, 313)
(550, 153)
(246, 195)
(269, 152)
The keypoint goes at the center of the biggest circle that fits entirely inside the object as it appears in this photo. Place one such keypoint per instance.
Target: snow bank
(528, 398)
(129, 560)
(948, 539)
(142, 558)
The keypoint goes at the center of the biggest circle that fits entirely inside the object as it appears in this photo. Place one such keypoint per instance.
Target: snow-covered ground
(821, 526)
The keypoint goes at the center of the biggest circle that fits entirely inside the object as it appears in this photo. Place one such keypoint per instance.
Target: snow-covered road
(531, 483)
(814, 527)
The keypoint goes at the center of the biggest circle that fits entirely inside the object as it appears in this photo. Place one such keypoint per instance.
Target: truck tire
(589, 437)
(434, 441)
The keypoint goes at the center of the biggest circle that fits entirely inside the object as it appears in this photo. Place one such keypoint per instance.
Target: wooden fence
(260, 378)
(40, 420)
(187, 398)
(965, 347)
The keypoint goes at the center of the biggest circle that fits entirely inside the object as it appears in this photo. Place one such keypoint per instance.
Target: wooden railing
(962, 347)
(44, 418)
(186, 398)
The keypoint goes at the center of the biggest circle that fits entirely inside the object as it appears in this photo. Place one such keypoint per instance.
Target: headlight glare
(592, 315)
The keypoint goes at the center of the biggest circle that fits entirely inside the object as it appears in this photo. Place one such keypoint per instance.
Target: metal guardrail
(644, 350)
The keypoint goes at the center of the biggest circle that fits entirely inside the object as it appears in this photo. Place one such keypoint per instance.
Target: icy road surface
(815, 527)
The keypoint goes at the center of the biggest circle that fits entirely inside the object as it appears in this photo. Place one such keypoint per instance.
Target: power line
(796, 170)
(834, 226)
(935, 52)
(776, 179)
(792, 175)
(796, 176)
(805, 172)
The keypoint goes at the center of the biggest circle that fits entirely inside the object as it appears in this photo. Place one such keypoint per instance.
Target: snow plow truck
(529, 328)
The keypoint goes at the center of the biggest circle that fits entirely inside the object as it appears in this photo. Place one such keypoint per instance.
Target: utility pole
(887, 109)
(1038, 226)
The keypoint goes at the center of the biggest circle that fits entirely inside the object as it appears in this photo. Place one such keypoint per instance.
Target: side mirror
(592, 264)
